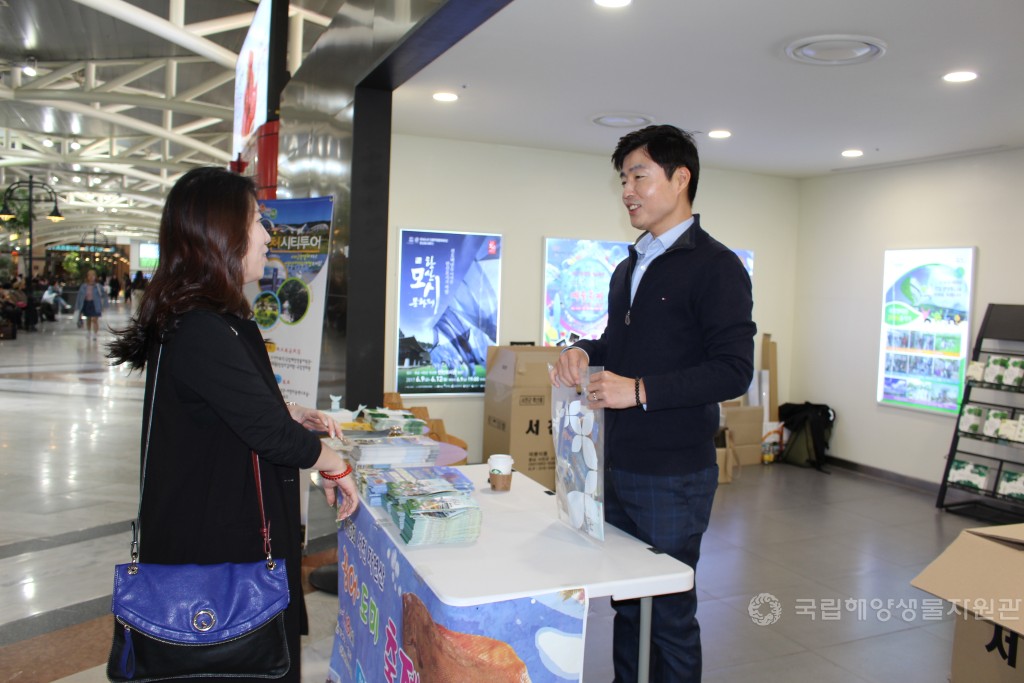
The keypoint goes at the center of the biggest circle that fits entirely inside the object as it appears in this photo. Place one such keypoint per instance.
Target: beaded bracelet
(636, 388)
(337, 477)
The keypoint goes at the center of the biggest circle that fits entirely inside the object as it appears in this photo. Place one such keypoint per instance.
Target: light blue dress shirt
(650, 247)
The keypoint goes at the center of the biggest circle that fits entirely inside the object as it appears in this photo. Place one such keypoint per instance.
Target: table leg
(644, 658)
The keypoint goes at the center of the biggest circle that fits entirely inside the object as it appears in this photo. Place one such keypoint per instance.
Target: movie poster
(449, 289)
(288, 301)
(924, 343)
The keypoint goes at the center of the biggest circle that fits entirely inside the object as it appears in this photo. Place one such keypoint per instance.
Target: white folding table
(524, 550)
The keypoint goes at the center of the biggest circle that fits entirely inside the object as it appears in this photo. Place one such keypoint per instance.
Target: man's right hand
(570, 368)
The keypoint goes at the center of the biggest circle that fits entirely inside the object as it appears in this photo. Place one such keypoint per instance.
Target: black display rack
(1001, 334)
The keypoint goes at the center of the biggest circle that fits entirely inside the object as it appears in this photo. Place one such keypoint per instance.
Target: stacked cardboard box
(980, 573)
(517, 409)
(746, 424)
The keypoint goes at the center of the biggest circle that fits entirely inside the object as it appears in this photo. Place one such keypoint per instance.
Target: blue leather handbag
(175, 621)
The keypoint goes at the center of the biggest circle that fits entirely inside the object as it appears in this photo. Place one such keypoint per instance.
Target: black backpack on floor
(810, 427)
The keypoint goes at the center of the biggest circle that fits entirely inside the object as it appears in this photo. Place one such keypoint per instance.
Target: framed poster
(924, 341)
(576, 276)
(449, 288)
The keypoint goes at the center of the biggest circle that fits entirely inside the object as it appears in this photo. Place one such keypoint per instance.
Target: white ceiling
(147, 103)
(540, 70)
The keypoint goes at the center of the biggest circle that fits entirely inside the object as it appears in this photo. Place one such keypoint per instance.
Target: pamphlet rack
(982, 468)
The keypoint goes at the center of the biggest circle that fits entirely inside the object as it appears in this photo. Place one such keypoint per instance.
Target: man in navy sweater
(679, 340)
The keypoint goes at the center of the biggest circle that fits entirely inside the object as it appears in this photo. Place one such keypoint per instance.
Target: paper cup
(500, 463)
(500, 482)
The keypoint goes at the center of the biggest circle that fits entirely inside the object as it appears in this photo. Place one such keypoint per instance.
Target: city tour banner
(449, 289)
(288, 302)
(924, 343)
(393, 628)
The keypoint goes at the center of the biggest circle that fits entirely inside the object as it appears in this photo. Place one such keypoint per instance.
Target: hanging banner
(576, 277)
(925, 328)
(393, 628)
(448, 296)
(288, 302)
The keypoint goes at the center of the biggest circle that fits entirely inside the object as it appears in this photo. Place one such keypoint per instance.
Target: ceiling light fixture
(613, 4)
(445, 96)
(852, 153)
(47, 142)
(30, 68)
(836, 49)
(719, 134)
(960, 76)
(623, 120)
(76, 145)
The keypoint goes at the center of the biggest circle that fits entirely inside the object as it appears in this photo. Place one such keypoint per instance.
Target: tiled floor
(836, 552)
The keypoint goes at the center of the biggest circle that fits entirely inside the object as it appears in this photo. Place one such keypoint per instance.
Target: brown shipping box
(725, 455)
(517, 409)
(980, 572)
(746, 424)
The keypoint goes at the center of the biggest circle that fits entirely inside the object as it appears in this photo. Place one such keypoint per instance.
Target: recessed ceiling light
(76, 179)
(47, 142)
(622, 120)
(959, 76)
(836, 49)
(76, 167)
(76, 145)
(612, 3)
(853, 153)
(445, 96)
(30, 68)
(719, 134)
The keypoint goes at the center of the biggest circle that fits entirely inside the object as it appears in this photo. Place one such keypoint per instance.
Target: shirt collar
(667, 238)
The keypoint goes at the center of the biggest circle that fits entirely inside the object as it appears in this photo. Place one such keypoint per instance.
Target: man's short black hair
(668, 146)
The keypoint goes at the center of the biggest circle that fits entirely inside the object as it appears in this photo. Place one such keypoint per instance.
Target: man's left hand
(608, 390)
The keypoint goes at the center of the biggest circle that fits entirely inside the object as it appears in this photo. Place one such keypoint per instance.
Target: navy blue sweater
(690, 337)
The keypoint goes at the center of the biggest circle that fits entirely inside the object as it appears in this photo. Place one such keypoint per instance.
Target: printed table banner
(925, 328)
(447, 311)
(392, 628)
(288, 302)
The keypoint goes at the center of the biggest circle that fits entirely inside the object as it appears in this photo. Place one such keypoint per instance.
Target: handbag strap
(137, 524)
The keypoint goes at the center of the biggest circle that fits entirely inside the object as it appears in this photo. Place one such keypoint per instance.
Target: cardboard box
(517, 409)
(746, 424)
(980, 573)
(725, 455)
(748, 455)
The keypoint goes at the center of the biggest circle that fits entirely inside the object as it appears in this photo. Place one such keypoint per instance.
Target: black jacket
(690, 337)
(216, 401)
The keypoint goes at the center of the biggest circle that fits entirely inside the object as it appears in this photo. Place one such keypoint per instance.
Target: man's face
(655, 203)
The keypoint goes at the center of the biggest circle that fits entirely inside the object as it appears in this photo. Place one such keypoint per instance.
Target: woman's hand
(342, 492)
(314, 420)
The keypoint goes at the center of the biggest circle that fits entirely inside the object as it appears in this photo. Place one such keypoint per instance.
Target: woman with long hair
(217, 399)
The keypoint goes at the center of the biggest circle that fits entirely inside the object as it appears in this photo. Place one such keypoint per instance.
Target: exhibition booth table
(511, 606)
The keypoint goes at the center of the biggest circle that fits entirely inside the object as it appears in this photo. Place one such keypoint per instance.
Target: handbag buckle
(204, 620)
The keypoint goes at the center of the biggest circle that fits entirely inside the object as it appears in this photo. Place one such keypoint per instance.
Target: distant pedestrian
(115, 288)
(89, 304)
(127, 289)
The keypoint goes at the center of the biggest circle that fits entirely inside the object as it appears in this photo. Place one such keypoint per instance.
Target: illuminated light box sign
(925, 328)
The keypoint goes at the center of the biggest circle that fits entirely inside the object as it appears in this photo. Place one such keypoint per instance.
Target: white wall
(846, 223)
(529, 194)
